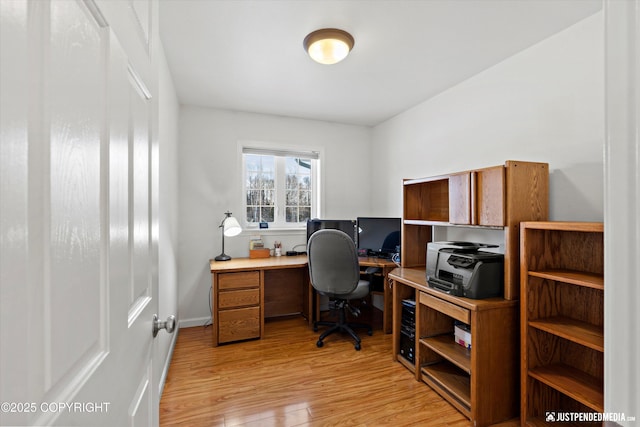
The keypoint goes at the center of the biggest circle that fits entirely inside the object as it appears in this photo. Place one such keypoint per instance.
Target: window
(280, 186)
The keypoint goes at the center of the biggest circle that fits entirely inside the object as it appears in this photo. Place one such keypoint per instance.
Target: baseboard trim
(198, 321)
(167, 362)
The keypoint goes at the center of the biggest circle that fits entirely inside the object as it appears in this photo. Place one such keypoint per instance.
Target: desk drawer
(238, 324)
(239, 280)
(238, 298)
(451, 310)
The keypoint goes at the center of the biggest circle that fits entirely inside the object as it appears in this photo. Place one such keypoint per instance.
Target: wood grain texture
(245, 264)
(414, 244)
(460, 198)
(285, 380)
(239, 324)
(237, 301)
(481, 383)
(527, 200)
(427, 200)
(489, 206)
(284, 292)
(495, 197)
(562, 344)
(244, 279)
(238, 298)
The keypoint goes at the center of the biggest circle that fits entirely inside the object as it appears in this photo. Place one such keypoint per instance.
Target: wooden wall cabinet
(562, 318)
(495, 197)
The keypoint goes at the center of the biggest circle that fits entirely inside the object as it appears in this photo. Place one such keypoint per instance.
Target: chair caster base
(341, 326)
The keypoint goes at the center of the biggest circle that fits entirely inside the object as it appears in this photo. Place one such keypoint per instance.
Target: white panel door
(78, 253)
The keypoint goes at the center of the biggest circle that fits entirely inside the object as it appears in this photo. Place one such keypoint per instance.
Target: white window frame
(280, 152)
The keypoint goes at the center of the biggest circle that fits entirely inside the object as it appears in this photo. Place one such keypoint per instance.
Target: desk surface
(278, 262)
(285, 263)
(417, 279)
(274, 262)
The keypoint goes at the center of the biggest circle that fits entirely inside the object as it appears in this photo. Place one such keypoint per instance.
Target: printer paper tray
(446, 287)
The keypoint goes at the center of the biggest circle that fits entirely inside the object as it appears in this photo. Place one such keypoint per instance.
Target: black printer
(463, 269)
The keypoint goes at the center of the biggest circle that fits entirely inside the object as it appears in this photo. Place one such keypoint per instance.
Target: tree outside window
(279, 189)
(298, 190)
(260, 188)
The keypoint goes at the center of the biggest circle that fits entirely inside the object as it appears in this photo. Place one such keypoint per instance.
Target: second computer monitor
(378, 236)
(346, 225)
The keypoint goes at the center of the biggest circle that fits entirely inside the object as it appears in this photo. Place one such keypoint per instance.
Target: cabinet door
(477, 197)
(460, 198)
(489, 196)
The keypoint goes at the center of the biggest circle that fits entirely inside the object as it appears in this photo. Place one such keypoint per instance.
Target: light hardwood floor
(285, 380)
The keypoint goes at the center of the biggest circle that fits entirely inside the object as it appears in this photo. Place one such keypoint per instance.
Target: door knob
(169, 324)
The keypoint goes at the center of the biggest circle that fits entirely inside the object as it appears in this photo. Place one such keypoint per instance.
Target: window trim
(281, 150)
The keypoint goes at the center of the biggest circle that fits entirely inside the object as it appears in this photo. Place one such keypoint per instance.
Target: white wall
(543, 104)
(167, 216)
(210, 183)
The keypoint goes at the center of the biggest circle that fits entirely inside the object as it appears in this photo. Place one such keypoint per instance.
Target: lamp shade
(328, 45)
(231, 227)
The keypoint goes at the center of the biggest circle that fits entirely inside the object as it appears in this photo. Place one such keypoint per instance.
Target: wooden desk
(386, 266)
(245, 291)
(481, 382)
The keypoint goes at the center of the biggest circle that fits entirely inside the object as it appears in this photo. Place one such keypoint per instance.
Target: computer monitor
(346, 225)
(378, 237)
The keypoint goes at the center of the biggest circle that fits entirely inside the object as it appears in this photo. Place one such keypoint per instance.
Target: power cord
(210, 321)
(396, 259)
(293, 251)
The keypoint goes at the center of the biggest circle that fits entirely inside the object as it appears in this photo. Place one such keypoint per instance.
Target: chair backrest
(333, 262)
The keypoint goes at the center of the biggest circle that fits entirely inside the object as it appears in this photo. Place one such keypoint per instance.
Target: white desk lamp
(230, 228)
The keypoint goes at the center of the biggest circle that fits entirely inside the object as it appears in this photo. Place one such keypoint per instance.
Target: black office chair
(334, 272)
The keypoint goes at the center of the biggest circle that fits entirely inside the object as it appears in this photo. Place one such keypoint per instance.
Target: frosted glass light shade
(328, 45)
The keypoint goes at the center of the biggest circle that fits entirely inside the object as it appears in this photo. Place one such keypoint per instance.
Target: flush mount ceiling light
(328, 45)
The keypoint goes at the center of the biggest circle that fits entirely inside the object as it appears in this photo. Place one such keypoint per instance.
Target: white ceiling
(247, 55)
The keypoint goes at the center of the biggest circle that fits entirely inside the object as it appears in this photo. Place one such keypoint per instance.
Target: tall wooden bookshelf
(562, 319)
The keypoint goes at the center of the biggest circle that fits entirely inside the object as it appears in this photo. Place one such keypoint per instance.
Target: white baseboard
(198, 321)
(167, 362)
